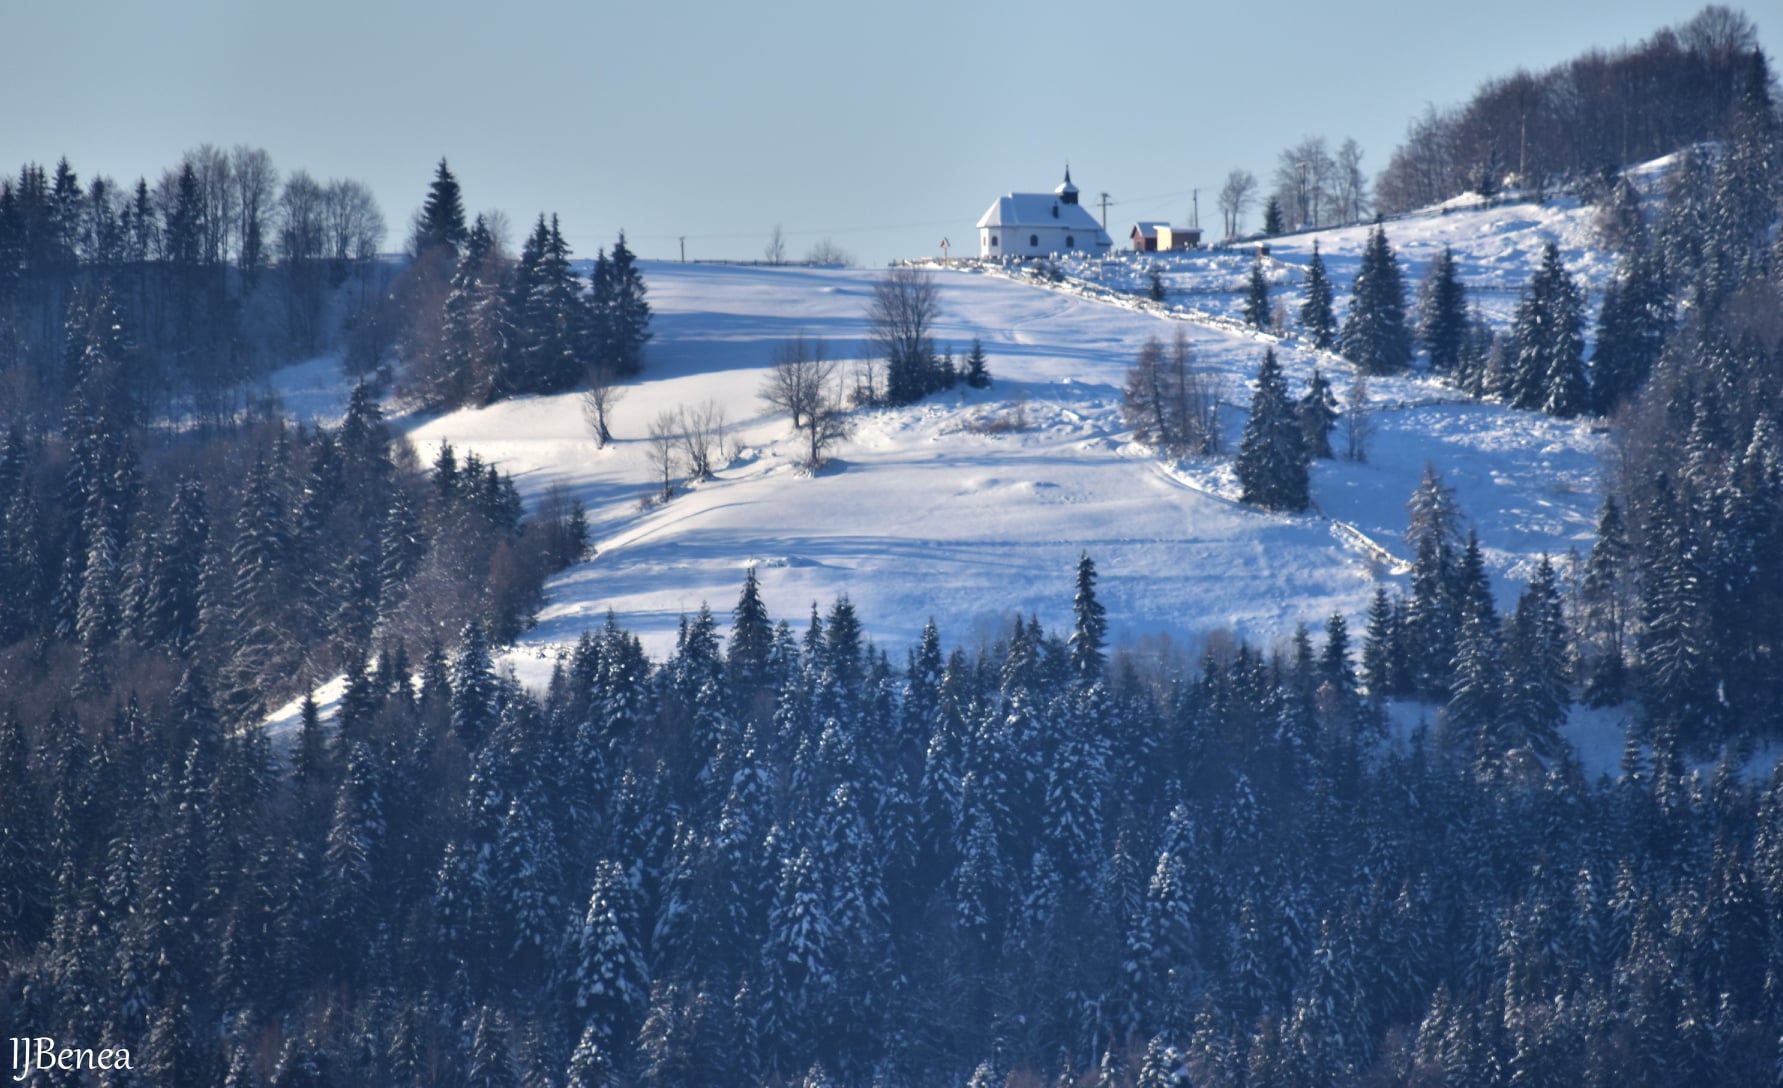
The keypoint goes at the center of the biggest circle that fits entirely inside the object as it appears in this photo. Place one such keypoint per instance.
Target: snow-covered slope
(928, 513)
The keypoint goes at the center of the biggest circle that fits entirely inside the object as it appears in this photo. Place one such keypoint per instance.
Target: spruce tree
(1677, 640)
(1091, 626)
(442, 215)
(1272, 217)
(1536, 690)
(1547, 366)
(1631, 329)
(1442, 314)
(1271, 463)
(551, 317)
(978, 374)
(1318, 415)
(628, 316)
(1256, 297)
(1605, 604)
(1374, 333)
(474, 339)
(1316, 318)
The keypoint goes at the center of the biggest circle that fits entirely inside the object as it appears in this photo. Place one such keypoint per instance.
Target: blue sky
(881, 126)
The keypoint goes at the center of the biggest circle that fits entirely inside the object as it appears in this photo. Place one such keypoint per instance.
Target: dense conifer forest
(783, 856)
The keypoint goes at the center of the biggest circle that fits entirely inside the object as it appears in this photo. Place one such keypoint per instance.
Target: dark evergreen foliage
(1632, 326)
(1272, 217)
(1317, 321)
(442, 215)
(1318, 415)
(1374, 335)
(978, 374)
(1546, 365)
(1272, 458)
(1442, 315)
(1256, 297)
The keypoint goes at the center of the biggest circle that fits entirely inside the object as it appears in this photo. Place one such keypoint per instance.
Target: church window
(1033, 239)
(1070, 242)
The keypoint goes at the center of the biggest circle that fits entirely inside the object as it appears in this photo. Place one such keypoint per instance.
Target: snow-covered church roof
(1038, 210)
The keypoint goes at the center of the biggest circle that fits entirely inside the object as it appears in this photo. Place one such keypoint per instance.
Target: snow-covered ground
(928, 511)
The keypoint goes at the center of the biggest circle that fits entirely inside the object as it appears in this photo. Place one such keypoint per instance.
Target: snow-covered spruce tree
(1256, 296)
(1605, 620)
(1374, 334)
(474, 689)
(548, 302)
(477, 330)
(1381, 668)
(1631, 329)
(1090, 629)
(1317, 322)
(1743, 199)
(606, 963)
(1547, 364)
(1271, 463)
(1537, 694)
(1442, 314)
(1473, 364)
(1433, 613)
(1318, 415)
(1677, 638)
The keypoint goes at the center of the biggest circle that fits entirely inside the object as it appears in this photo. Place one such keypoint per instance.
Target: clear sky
(884, 127)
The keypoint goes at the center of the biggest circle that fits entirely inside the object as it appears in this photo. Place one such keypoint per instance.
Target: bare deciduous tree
(256, 187)
(1237, 196)
(664, 448)
(803, 384)
(775, 250)
(603, 392)
(1303, 181)
(1358, 419)
(217, 197)
(827, 252)
(827, 424)
(801, 370)
(702, 438)
(352, 225)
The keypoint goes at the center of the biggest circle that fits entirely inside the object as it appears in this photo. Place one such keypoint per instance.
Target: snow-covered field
(929, 511)
(926, 512)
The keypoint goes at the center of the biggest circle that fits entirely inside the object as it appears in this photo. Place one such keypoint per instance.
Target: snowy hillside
(927, 512)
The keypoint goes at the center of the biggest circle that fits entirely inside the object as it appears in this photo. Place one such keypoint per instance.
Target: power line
(746, 235)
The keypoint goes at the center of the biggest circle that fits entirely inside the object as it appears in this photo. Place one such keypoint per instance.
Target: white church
(1040, 225)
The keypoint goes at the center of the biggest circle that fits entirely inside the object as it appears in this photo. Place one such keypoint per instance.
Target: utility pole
(682, 238)
(1195, 214)
(1522, 150)
(1104, 213)
(1304, 221)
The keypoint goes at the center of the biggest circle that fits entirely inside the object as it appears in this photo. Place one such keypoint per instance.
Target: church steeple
(1066, 192)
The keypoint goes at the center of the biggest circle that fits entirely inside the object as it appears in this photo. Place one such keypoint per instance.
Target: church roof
(1036, 210)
